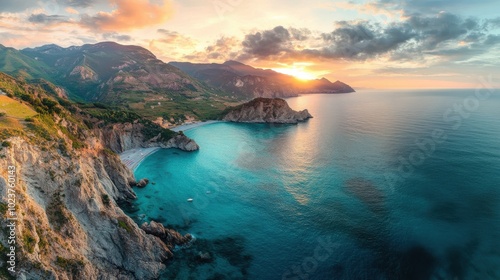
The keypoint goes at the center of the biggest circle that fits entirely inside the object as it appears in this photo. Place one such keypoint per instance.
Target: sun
(296, 71)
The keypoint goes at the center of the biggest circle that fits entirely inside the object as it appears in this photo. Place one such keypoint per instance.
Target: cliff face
(67, 184)
(125, 136)
(69, 225)
(266, 110)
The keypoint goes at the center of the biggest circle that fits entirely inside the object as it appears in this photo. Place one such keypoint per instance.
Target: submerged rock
(266, 110)
(204, 257)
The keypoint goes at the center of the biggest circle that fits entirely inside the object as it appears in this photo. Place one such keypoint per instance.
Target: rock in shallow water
(169, 236)
(142, 183)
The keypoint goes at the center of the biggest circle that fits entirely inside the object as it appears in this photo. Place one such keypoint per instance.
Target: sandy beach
(132, 158)
(186, 127)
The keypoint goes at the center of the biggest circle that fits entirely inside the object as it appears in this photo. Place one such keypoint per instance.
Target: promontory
(266, 110)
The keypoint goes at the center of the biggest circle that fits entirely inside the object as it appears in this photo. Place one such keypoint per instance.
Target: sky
(367, 44)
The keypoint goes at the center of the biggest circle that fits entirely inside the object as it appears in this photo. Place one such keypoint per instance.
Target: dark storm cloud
(47, 19)
(409, 39)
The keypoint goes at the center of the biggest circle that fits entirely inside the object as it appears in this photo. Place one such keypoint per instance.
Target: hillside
(68, 187)
(249, 82)
(14, 62)
(127, 77)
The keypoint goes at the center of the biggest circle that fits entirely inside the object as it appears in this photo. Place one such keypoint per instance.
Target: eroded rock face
(181, 141)
(126, 136)
(69, 215)
(168, 236)
(266, 110)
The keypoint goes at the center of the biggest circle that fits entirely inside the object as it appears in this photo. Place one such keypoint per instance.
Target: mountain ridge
(239, 78)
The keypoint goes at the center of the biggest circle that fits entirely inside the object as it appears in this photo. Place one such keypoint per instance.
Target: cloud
(71, 11)
(47, 19)
(128, 15)
(174, 37)
(116, 36)
(76, 3)
(268, 42)
(429, 6)
(16, 6)
(362, 40)
(409, 39)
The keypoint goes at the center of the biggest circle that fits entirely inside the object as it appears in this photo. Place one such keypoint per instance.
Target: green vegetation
(3, 208)
(70, 265)
(6, 144)
(29, 242)
(57, 213)
(12, 112)
(23, 67)
(4, 273)
(110, 115)
(123, 224)
(105, 199)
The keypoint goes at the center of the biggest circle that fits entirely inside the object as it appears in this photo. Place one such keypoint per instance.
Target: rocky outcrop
(266, 110)
(68, 223)
(181, 141)
(170, 237)
(125, 136)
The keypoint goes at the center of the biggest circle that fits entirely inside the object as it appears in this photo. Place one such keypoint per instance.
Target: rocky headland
(68, 182)
(266, 110)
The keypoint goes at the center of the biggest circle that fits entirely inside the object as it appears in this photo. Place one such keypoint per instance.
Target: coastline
(132, 158)
(185, 127)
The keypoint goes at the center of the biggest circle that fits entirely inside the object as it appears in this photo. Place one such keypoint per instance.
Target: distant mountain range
(243, 80)
(132, 77)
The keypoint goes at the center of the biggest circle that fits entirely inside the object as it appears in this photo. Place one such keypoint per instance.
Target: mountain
(243, 80)
(16, 63)
(128, 77)
(103, 71)
(133, 78)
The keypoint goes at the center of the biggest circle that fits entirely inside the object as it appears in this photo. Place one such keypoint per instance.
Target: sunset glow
(363, 43)
(298, 73)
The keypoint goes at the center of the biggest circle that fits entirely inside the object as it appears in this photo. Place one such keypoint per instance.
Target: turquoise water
(378, 185)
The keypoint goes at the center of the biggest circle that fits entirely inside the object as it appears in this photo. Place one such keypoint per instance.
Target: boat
(190, 200)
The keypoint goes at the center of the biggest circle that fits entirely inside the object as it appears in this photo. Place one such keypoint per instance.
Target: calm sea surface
(378, 185)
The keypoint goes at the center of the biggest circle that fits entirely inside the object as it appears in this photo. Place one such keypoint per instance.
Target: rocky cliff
(120, 137)
(266, 110)
(64, 188)
(69, 224)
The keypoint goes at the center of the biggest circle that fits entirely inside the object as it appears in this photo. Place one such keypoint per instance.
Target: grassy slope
(15, 111)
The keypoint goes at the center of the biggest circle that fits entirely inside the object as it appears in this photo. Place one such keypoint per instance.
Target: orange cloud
(129, 14)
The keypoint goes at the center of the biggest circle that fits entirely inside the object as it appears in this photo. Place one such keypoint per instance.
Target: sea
(400, 184)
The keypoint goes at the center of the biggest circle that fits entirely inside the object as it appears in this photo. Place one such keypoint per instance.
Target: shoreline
(186, 127)
(132, 158)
